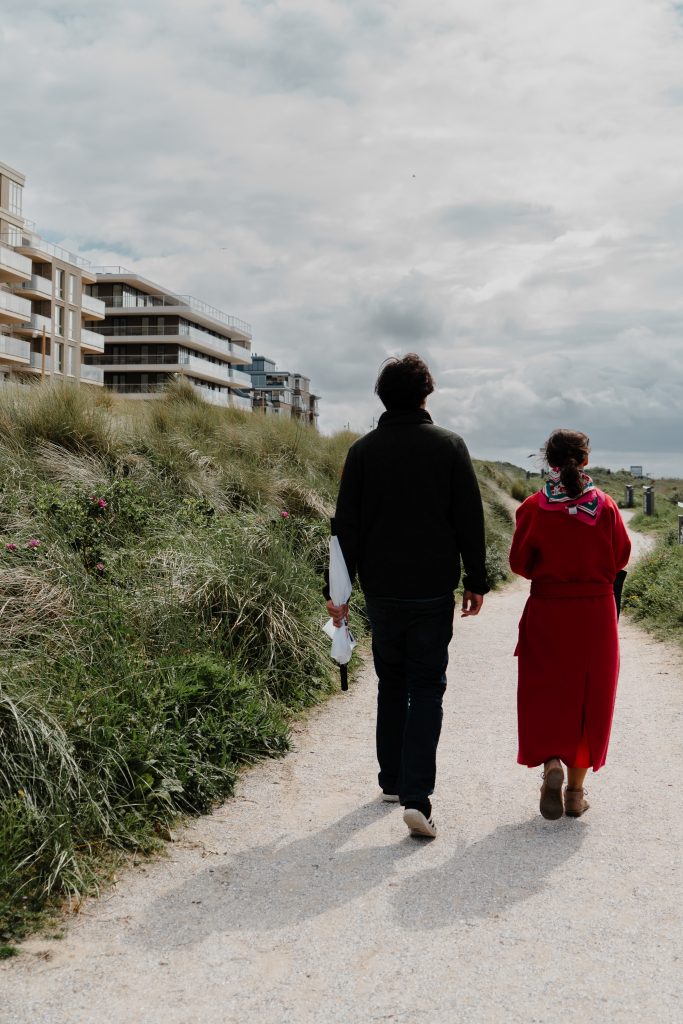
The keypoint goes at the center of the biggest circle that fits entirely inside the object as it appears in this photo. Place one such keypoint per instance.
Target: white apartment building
(152, 333)
(44, 301)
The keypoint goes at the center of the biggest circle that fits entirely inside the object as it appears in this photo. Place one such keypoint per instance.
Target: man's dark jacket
(409, 509)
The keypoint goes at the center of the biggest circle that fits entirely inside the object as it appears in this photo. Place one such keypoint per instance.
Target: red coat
(568, 650)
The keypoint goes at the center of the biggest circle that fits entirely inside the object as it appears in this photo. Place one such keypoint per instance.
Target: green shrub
(519, 490)
(653, 589)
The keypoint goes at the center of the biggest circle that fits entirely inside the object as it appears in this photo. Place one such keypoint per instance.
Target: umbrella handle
(344, 673)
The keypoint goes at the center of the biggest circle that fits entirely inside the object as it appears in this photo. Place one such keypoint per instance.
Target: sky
(494, 185)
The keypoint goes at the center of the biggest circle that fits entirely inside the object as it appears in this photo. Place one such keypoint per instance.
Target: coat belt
(543, 588)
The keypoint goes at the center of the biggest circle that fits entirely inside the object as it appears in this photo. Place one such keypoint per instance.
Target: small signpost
(637, 471)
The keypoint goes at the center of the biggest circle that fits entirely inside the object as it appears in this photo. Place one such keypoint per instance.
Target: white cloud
(495, 185)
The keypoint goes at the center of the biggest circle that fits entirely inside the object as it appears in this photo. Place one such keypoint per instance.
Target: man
(408, 511)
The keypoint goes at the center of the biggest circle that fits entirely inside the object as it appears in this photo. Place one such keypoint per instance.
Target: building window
(14, 234)
(71, 364)
(59, 283)
(72, 325)
(59, 321)
(58, 364)
(72, 289)
(15, 197)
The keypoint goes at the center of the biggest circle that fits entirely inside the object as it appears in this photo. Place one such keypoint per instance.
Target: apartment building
(280, 392)
(44, 300)
(152, 334)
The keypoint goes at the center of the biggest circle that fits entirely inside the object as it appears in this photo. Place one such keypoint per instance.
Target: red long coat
(568, 650)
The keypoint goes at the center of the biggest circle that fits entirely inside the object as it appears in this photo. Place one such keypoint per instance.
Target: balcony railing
(92, 340)
(219, 345)
(92, 373)
(30, 240)
(135, 359)
(37, 286)
(14, 262)
(213, 397)
(15, 305)
(37, 361)
(91, 305)
(239, 402)
(14, 348)
(135, 301)
(137, 389)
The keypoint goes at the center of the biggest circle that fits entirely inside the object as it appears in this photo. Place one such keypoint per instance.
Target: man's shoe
(389, 798)
(575, 804)
(420, 821)
(551, 806)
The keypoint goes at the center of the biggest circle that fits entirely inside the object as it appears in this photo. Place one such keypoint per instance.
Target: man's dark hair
(404, 383)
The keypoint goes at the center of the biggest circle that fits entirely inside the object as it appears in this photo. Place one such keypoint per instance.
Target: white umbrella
(340, 592)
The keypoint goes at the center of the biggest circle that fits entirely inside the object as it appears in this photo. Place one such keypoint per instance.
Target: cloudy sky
(496, 185)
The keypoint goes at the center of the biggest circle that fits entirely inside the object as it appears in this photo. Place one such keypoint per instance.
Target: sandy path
(302, 900)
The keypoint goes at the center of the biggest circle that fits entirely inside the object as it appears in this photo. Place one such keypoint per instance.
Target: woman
(570, 541)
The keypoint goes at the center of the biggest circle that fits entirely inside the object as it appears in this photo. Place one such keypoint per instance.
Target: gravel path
(302, 899)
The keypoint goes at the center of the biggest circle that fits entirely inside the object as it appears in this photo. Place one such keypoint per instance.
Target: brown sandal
(551, 806)
(575, 803)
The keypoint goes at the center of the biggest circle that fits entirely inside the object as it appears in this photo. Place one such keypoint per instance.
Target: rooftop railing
(169, 299)
(29, 240)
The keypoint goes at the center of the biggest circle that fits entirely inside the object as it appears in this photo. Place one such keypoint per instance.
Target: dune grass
(160, 613)
(654, 589)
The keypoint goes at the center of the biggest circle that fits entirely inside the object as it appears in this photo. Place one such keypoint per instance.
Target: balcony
(202, 368)
(32, 245)
(240, 379)
(37, 362)
(37, 288)
(169, 301)
(228, 351)
(138, 390)
(14, 309)
(14, 350)
(92, 374)
(240, 402)
(213, 397)
(36, 325)
(13, 266)
(92, 308)
(240, 350)
(92, 341)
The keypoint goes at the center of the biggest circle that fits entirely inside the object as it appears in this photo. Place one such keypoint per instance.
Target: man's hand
(471, 604)
(339, 612)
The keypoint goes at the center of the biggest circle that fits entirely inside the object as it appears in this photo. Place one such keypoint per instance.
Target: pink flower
(285, 515)
(102, 503)
(100, 566)
(33, 544)
(10, 547)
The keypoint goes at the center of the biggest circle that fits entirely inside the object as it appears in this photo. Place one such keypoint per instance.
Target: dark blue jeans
(410, 648)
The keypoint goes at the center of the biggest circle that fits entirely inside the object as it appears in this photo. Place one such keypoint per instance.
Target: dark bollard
(680, 524)
(649, 501)
(628, 503)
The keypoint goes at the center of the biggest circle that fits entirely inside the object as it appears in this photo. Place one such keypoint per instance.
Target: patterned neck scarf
(587, 502)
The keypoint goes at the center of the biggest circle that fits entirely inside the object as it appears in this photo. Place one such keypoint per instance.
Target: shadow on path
(279, 886)
(509, 865)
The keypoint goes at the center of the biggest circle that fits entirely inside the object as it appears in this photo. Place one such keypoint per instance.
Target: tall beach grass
(160, 613)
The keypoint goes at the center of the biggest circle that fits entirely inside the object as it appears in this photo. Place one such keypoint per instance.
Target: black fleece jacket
(409, 509)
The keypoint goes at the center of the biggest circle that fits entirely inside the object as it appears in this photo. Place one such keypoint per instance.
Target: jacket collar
(400, 416)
